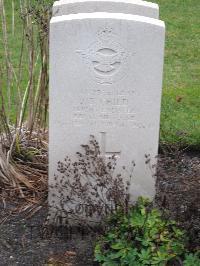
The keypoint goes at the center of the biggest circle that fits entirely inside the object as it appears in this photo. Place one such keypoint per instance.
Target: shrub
(88, 188)
(143, 236)
(192, 259)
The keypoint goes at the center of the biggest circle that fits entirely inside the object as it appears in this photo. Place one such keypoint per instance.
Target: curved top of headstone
(134, 7)
(105, 15)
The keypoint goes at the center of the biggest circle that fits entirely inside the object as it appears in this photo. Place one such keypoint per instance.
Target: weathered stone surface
(135, 7)
(106, 81)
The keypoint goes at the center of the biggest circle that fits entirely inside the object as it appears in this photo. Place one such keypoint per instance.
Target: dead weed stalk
(24, 100)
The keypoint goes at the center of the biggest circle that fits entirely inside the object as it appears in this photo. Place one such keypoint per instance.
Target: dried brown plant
(88, 189)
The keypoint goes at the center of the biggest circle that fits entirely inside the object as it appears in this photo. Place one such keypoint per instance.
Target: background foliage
(180, 118)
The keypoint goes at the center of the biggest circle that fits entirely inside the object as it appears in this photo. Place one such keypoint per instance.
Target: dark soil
(178, 191)
(30, 242)
(27, 241)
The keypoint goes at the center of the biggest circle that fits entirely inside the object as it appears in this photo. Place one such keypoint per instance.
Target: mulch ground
(27, 241)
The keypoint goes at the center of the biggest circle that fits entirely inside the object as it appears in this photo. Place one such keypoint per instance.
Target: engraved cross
(104, 152)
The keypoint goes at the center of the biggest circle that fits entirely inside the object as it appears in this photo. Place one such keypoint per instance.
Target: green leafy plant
(143, 236)
(192, 259)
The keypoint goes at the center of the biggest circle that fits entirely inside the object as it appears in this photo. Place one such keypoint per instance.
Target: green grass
(182, 53)
(15, 44)
(180, 119)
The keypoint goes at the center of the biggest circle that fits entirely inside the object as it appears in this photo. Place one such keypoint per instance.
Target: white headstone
(135, 7)
(106, 80)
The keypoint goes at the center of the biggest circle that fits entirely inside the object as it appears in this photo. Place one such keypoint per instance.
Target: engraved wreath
(106, 59)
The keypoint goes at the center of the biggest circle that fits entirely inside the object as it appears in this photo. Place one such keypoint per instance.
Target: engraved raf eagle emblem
(105, 58)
